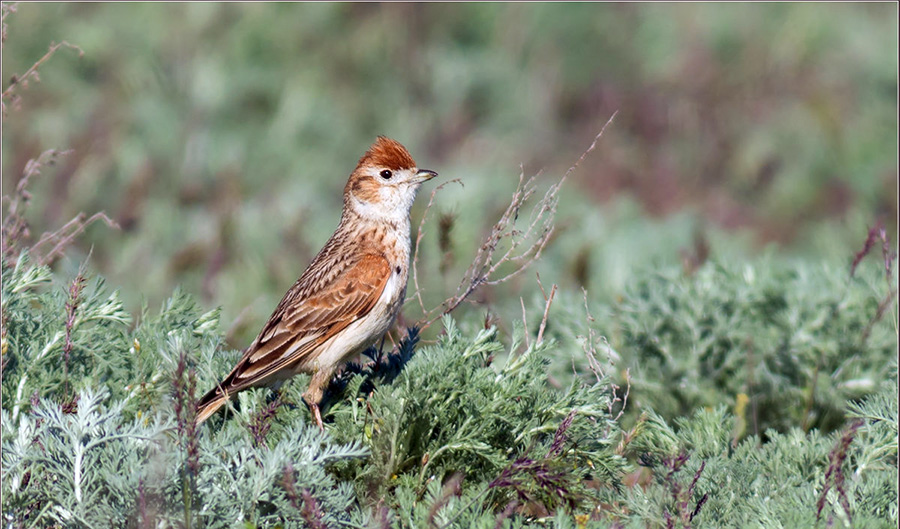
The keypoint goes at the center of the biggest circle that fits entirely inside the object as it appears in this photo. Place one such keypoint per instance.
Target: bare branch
(64, 236)
(6, 8)
(525, 323)
(522, 246)
(540, 336)
(420, 232)
(594, 365)
(32, 72)
(590, 352)
(625, 398)
(15, 228)
(541, 285)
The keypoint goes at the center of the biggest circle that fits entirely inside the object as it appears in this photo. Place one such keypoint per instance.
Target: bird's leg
(277, 392)
(379, 351)
(317, 415)
(314, 393)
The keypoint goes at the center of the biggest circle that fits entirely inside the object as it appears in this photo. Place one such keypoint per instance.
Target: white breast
(365, 331)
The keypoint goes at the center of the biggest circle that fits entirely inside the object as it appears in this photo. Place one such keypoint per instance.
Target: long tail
(210, 403)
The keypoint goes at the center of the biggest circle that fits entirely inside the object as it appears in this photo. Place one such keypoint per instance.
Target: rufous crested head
(388, 153)
(385, 182)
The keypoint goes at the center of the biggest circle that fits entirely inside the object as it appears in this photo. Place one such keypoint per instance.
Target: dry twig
(590, 352)
(540, 336)
(7, 9)
(522, 246)
(64, 236)
(32, 73)
(525, 323)
(15, 230)
(14, 227)
(420, 232)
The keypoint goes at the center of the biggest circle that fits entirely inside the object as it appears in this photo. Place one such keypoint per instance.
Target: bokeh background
(219, 136)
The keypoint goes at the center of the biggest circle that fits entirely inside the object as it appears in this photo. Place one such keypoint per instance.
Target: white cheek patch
(393, 206)
(385, 194)
(364, 209)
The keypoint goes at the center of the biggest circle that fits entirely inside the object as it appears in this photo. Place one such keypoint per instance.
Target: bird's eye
(386, 174)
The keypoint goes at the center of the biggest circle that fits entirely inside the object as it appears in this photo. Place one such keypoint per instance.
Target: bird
(350, 294)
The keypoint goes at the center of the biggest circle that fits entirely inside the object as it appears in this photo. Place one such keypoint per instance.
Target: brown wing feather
(309, 321)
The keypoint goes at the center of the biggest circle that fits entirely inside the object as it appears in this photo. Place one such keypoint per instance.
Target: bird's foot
(317, 415)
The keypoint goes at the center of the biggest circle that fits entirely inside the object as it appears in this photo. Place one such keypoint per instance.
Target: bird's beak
(423, 175)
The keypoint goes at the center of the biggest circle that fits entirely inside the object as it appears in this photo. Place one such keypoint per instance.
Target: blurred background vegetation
(714, 230)
(219, 136)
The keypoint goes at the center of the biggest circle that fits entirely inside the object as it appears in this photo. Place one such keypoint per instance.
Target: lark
(350, 294)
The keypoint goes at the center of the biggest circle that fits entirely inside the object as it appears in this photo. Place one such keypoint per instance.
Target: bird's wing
(301, 323)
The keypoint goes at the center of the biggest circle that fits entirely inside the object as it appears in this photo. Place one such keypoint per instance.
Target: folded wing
(302, 323)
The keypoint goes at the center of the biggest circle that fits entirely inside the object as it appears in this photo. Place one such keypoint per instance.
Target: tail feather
(210, 403)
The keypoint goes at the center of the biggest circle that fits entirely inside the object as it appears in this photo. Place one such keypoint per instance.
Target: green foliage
(103, 350)
(786, 343)
(443, 435)
(879, 444)
(445, 414)
(51, 347)
(110, 443)
(778, 483)
(451, 412)
(95, 444)
(498, 412)
(242, 481)
(75, 469)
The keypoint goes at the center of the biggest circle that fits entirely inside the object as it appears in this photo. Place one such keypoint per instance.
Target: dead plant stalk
(524, 247)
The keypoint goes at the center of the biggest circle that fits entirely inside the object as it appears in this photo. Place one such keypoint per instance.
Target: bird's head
(385, 182)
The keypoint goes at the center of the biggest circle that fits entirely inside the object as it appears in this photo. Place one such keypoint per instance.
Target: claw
(317, 416)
